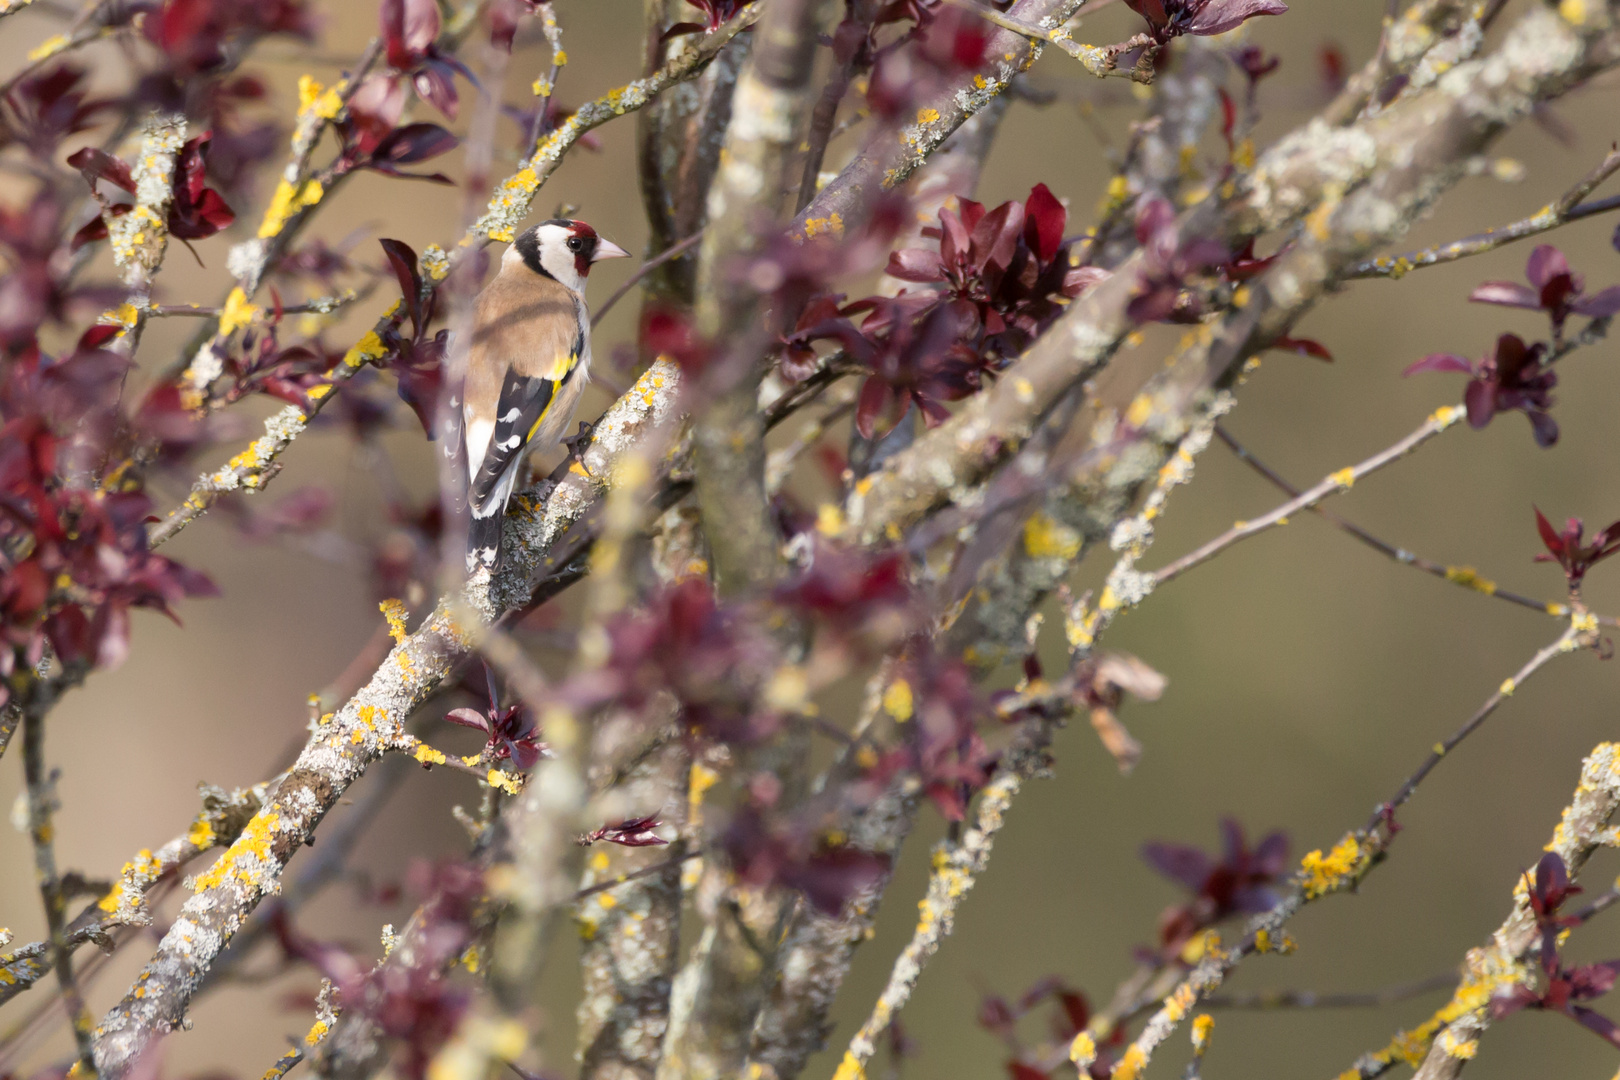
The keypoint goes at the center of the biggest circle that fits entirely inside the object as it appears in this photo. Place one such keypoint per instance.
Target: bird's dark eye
(575, 243)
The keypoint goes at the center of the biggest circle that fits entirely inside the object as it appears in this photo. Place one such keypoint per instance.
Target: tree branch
(1568, 208)
(340, 750)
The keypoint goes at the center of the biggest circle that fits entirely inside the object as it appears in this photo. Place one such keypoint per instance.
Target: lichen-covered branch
(1444, 1043)
(221, 820)
(1569, 207)
(1320, 875)
(1361, 186)
(511, 201)
(1102, 62)
(347, 743)
(1465, 576)
(890, 156)
(1341, 480)
(956, 867)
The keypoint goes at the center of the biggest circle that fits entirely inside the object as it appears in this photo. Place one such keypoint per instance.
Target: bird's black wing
(523, 404)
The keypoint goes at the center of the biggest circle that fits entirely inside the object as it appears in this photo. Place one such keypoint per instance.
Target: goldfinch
(527, 362)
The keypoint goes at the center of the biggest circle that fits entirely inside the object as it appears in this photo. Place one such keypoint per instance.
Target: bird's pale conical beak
(607, 249)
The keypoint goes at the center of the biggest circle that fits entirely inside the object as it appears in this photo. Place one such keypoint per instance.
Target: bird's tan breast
(523, 322)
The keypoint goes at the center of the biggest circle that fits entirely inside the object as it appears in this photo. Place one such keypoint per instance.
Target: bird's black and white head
(563, 250)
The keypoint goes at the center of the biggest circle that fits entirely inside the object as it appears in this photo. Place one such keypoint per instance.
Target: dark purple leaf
(1219, 16)
(1307, 347)
(436, 84)
(1044, 219)
(1178, 862)
(915, 264)
(1599, 305)
(1543, 427)
(403, 260)
(414, 142)
(472, 718)
(97, 164)
(1545, 263)
(635, 832)
(877, 398)
(1480, 401)
(409, 28)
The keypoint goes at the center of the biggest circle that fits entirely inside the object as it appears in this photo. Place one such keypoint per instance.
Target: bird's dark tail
(484, 540)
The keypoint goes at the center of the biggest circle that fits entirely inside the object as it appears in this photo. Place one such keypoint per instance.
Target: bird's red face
(564, 249)
(587, 247)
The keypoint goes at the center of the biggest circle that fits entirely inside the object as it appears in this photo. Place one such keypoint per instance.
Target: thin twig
(1341, 868)
(321, 305)
(1102, 62)
(1464, 576)
(89, 27)
(1310, 999)
(1601, 903)
(41, 804)
(671, 252)
(1442, 1042)
(1568, 208)
(1581, 634)
(645, 871)
(1331, 485)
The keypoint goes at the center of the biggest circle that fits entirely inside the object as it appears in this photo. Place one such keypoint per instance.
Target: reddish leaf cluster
(1000, 277)
(1170, 262)
(36, 289)
(417, 361)
(371, 139)
(684, 643)
(632, 832)
(1242, 881)
(1554, 288)
(1006, 271)
(1168, 19)
(192, 35)
(196, 211)
(1511, 376)
(863, 600)
(1566, 549)
(410, 30)
(766, 846)
(511, 731)
(1069, 1017)
(48, 106)
(263, 366)
(74, 559)
(940, 743)
(1563, 987)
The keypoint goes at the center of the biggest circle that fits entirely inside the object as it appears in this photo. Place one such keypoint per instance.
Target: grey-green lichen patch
(139, 238)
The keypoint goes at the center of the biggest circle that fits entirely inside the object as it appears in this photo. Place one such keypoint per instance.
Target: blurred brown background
(1307, 675)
